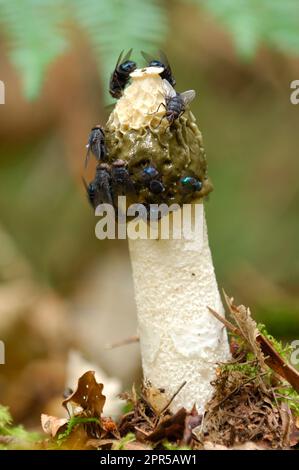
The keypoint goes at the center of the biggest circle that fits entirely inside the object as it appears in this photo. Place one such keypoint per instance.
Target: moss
(284, 350)
(247, 368)
(72, 423)
(250, 368)
(289, 395)
(170, 446)
(130, 437)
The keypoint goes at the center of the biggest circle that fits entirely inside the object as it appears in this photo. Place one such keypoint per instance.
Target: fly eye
(128, 66)
(156, 63)
(156, 187)
(150, 172)
(189, 183)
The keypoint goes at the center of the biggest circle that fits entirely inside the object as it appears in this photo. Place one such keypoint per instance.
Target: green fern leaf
(256, 22)
(34, 36)
(5, 417)
(114, 25)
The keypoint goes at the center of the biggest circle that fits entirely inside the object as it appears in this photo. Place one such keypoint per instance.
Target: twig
(238, 360)
(147, 419)
(225, 322)
(277, 406)
(285, 397)
(146, 434)
(147, 403)
(172, 398)
(123, 342)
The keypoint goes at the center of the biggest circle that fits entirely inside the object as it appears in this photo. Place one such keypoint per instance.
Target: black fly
(96, 145)
(121, 181)
(99, 189)
(151, 178)
(190, 184)
(121, 74)
(163, 62)
(175, 102)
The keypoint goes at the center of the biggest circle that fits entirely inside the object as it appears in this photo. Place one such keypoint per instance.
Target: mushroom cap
(138, 133)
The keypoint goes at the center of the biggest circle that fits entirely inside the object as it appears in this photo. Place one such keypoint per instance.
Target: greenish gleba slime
(175, 151)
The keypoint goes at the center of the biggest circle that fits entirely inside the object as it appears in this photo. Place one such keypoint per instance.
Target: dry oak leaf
(88, 395)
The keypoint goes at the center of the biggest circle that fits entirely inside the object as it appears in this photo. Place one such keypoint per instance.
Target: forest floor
(255, 405)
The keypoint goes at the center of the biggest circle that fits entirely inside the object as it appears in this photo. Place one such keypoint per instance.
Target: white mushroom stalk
(174, 279)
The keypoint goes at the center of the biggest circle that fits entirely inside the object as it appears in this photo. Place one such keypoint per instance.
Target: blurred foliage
(32, 27)
(255, 22)
(39, 31)
(14, 436)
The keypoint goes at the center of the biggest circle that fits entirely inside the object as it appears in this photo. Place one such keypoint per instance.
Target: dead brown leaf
(88, 396)
(192, 420)
(101, 443)
(77, 440)
(156, 398)
(51, 425)
(171, 428)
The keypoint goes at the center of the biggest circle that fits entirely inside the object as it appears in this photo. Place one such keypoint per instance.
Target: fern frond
(256, 22)
(113, 25)
(5, 417)
(35, 37)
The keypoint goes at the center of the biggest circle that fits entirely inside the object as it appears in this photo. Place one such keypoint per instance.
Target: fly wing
(96, 145)
(165, 61)
(128, 55)
(109, 107)
(187, 96)
(119, 59)
(103, 195)
(103, 192)
(84, 183)
(147, 57)
(88, 146)
(168, 89)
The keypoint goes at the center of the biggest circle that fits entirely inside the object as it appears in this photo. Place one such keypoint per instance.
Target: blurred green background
(61, 288)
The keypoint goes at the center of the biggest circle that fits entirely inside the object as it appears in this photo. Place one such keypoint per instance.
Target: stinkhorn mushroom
(174, 279)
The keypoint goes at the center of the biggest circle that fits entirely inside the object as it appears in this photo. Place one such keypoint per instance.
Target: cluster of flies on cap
(114, 179)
